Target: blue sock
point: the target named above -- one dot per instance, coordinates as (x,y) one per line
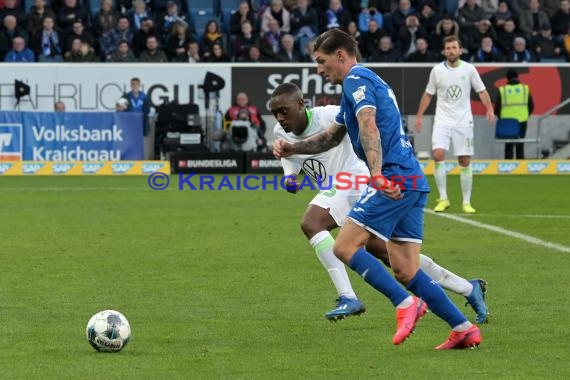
(374,273)
(438,302)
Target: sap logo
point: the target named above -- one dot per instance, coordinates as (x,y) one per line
(563,167)
(91,168)
(507,167)
(5,140)
(479,167)
(449,166)
(152,167)
(61,168)
(121,168)
(536,167)
(4,168)
(31,168)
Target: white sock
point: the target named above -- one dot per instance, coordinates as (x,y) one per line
(441,179)
(463,326)
(466,178)
(445,278)
(406,303)
(323,243)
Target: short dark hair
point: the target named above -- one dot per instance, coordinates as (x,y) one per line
(334,39)
(289,89)
(452,38)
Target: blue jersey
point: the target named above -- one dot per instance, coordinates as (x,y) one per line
(363,88)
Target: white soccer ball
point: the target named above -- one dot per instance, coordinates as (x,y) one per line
(108,331)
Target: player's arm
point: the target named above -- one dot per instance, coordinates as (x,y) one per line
(371,143)
(424,104)
(318,143)
(486,100)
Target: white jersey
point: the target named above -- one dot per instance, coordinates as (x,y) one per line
(453,88)
(323,165)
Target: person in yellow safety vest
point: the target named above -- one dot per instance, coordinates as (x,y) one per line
(514,101)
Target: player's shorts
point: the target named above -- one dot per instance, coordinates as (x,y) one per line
(460,137)
(387,219)
(338,202)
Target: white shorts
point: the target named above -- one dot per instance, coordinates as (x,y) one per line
(460,137)
(339,202)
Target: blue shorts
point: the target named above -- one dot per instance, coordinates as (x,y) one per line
(388,219)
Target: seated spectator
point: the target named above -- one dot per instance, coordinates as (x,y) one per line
(46,44)
(304,20)
(506,37)
(124,30)
(19,52)
(352,29)
(502,14)
(12,8)
(212,35)
(243,14)
(59,106)
(242,42)
(138,14)
(72,10)
(217,54)
(371,12)
(242,102)
(105,19)
(153,53)
(277,12)
(178,40)
(141,36)
(546,46)
(446,27)
(191,55)
(484,29)
(80,52)
(531,19)
(400,14)
(469,16)
(335,16)
(254,55)
(309,53)
(170,18)
(78,31)
(288,54)
(487,52)
(108,43)
(270,43)
(566,44)
(429,18)
(560,20)
(385,52)
(123,54)
(34,17)
(8,33)
(409,33)
(370,40)
(520,53)
(422,53)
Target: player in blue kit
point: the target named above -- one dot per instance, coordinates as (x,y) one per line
(392,206)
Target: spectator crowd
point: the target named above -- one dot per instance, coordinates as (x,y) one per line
(280,30)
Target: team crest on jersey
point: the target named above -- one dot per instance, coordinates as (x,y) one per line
(454,92)
(315,169)
(359,95)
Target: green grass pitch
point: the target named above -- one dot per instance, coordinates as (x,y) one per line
(222,284)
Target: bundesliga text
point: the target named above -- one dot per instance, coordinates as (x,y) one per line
(340,181)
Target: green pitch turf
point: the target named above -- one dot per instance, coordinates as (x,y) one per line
(222,284)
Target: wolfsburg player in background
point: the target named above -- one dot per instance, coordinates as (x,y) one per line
(329,208)
(452,81)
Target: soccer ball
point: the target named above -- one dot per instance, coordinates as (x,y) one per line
(108,331)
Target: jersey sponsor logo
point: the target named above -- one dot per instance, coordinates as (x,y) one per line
(454,92)
(359,94)
(536,167)
(315,169)
(353,77)
(507,167)
(563,167)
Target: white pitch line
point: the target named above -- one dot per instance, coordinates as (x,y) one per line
(530,216)
(500,230)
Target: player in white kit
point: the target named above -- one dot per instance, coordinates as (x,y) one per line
(329,208)
(452,80)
